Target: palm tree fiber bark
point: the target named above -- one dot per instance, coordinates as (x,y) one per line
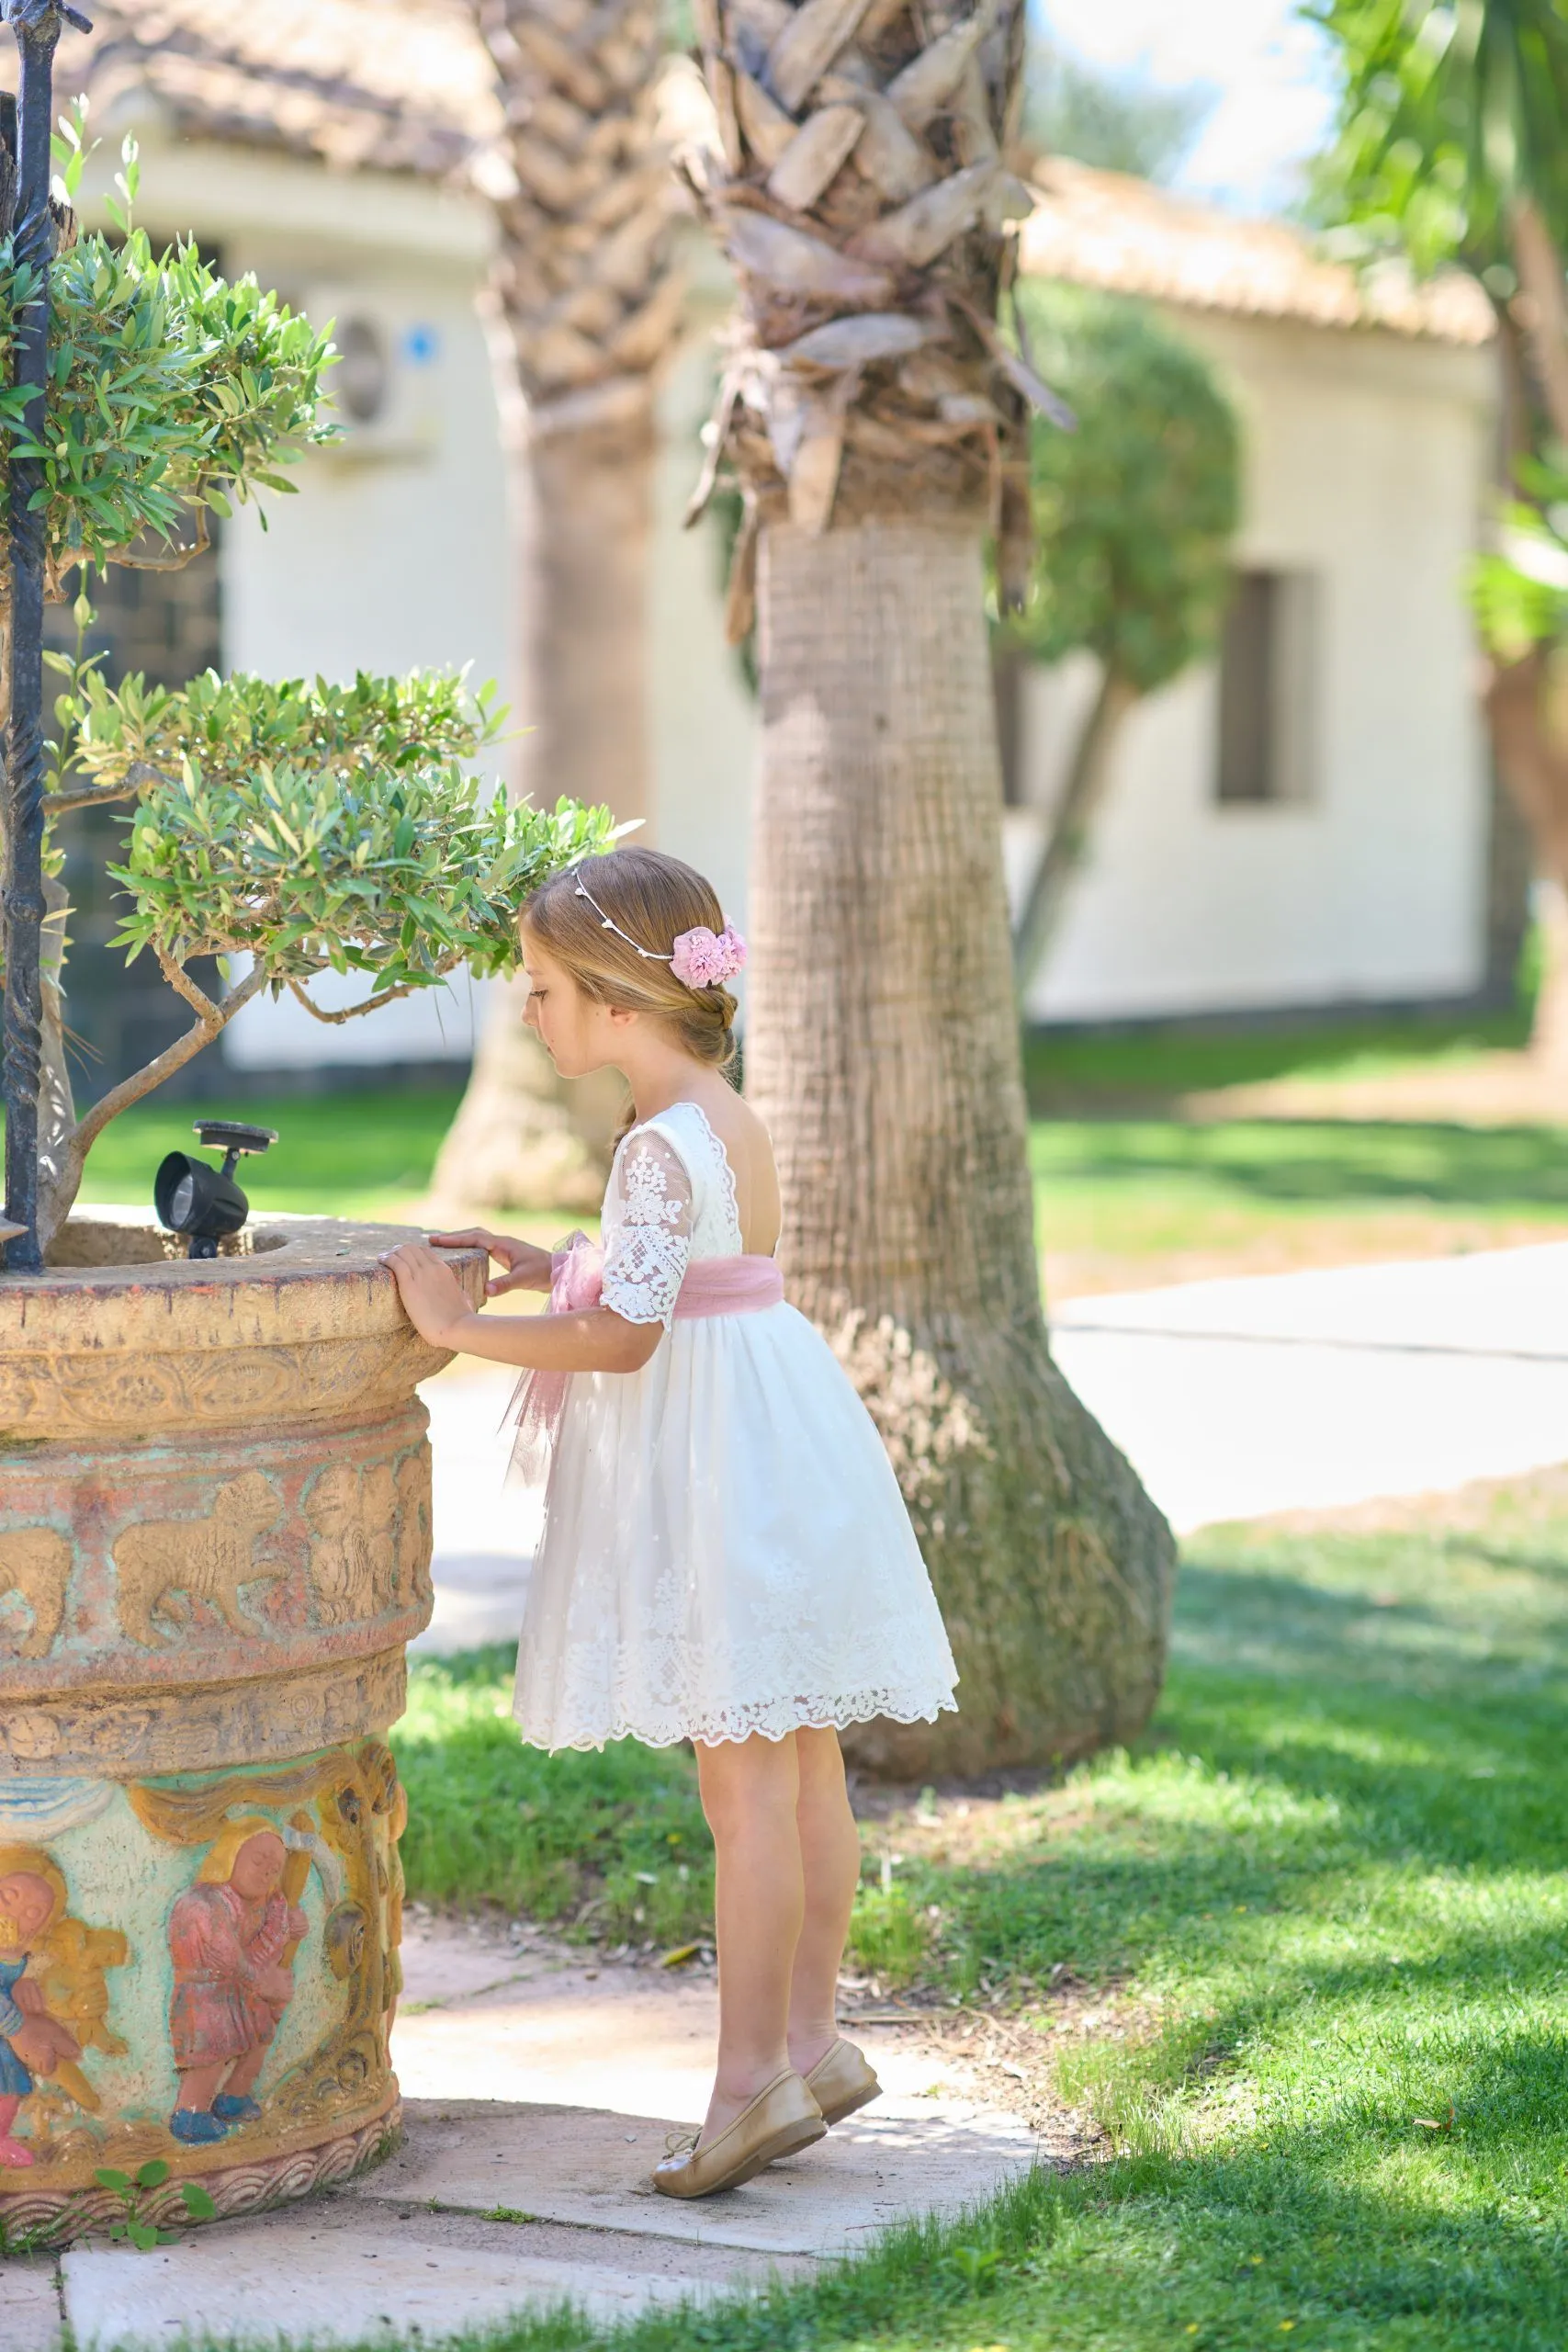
(524,1138)
(881,1047)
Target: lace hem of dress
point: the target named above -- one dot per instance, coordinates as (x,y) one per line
(774,1718)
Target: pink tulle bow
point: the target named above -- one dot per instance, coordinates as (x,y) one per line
(705,960)
(538,1401)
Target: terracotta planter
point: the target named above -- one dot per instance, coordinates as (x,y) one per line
(214,1548)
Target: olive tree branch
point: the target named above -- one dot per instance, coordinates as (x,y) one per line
(298,989)
(212,1019)
(171,558)
(138,777)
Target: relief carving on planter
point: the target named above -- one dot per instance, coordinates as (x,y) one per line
(234,1386)
(53,1995)
(35,1568)
(370,1537)
(196,1724)
(414,1526)
(197,1559)
(239,2006)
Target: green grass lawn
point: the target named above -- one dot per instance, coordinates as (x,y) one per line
(360,1155)
(1061,1068)
(1130,1201)
(1319,1917)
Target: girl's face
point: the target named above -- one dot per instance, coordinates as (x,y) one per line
(578,1034)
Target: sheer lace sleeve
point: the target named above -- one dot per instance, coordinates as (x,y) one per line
(647,1230)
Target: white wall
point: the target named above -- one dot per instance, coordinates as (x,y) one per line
(404,560)
(1366,462)
(703,719)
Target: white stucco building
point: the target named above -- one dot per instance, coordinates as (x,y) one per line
(1336,851)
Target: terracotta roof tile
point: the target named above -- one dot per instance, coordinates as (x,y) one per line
(406,85)
(1102,229)
(402,84)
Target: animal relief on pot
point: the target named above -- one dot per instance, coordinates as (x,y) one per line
(35,1569)
(164,1565)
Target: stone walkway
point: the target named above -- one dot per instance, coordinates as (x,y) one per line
(497,2205)
(1304,1392)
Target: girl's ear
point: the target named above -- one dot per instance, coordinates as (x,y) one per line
(622,1015)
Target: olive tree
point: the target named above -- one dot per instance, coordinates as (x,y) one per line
(310,827)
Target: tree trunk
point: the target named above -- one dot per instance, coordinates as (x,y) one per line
(523,1137)
(583,307)
(881,1048)
(1530,747)
(1540,269)
(1072,822)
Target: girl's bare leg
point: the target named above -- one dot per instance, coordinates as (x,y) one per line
(751,1790)
(829,1848)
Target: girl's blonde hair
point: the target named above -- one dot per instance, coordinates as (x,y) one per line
(653,898)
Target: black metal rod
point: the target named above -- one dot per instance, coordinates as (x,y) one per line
(36,24)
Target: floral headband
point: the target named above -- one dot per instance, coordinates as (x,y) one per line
(701,958)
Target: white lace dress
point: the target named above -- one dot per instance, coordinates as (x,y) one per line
(725,1550)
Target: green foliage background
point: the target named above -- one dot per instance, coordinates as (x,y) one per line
(1135,512)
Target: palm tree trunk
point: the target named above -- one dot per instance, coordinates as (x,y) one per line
(583,306)
(521,1136)
(883,1050)
(1540,269)
(1532,759)
(1072,824)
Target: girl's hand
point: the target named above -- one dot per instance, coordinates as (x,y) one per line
(431,1296)
(527,1267)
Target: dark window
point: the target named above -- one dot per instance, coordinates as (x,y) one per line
(1009,667)
(1266,690)
(168,625)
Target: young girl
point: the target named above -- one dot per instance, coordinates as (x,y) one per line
(725,1555)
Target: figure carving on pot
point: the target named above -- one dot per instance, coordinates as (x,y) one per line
(343,1551)
(230,1937)
(32,2042)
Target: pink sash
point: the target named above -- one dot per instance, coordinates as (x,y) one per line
(740,1286)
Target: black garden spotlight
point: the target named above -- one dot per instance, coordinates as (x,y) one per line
(193,1197)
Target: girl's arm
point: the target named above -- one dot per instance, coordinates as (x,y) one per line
(596,1341)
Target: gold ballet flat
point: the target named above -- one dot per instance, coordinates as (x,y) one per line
(841,2082)
(779,2120)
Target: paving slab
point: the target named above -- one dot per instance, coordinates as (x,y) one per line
(496,2207)
(591,2166)
(485,2018)
(1286,1391)
(30,2305)
(320,2276)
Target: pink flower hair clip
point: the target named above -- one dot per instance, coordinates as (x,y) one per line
(702,958)
(706,959)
